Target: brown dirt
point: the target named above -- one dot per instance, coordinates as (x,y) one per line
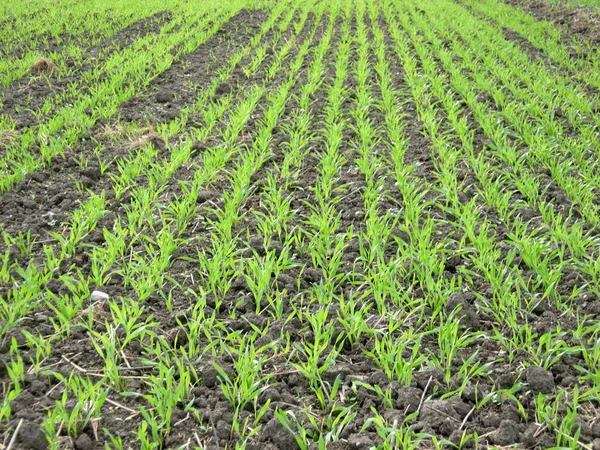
(581,22)
(24,97)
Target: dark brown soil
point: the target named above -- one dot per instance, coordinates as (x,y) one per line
(175,88)
(43,201)
(23,98)
(44,42)
(581,22)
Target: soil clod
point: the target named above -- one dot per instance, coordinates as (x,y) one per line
(31,436)
(506,434)
(540,380)
(164,96)
(84,442)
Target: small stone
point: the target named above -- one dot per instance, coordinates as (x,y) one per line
(461,408)
(45,402)
(378,378)
(505,380)
(584,429)
(84,442)
(54,394)
(239,284)
(180,317)
(22,402)
(134,385)
(447,426)
(98,296)
(579,25)
(28,378)
(427,377)
(177,338)
(456,437)
(222,89)
(97,236)
(275,246)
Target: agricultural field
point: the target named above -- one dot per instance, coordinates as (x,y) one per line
(576,3)
(580,17)
(260,225)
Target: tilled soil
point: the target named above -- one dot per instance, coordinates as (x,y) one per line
(23,98)
(42,204)
(578,22)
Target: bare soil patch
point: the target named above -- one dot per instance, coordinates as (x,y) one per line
(580,22)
